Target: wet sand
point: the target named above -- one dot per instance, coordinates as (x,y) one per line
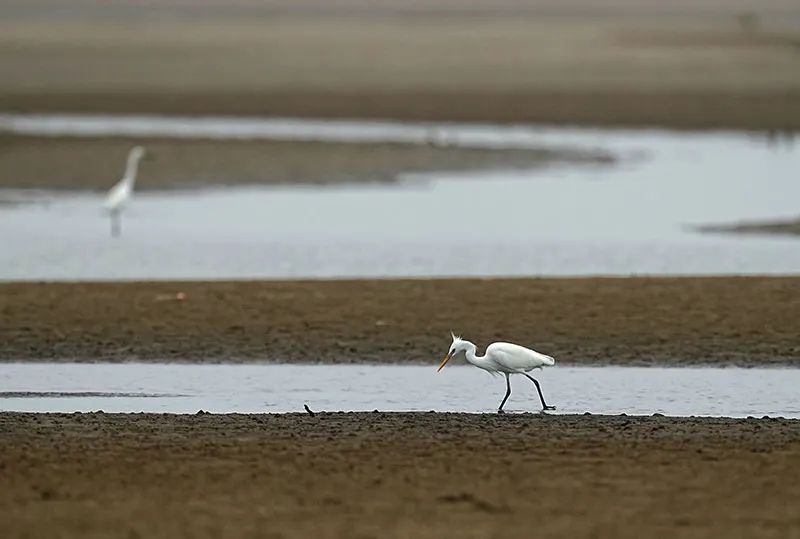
(589,321)
(708,64)
(773,111)
(396,475)
(95,163)
(790,227)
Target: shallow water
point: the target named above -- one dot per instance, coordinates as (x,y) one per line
(633,218)
(231,128)
(175,388)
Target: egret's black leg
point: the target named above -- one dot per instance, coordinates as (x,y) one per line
(508,392)
(116,224)
(541,397)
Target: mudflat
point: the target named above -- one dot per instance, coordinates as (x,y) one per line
(396,475)
(788,227)
(588,321)
(72,163)
(704,64)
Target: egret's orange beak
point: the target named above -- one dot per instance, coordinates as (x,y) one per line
(444,361)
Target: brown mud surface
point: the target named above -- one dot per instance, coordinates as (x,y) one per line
(703,64)
(769,110)
(677,321)
(789,227)
(396,475)
(96,163)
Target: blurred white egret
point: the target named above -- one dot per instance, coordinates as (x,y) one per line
(437,138)
(119,195)
(505,358)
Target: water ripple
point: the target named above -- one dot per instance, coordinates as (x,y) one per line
(82,394)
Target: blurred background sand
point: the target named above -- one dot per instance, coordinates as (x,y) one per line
(705,63)
(694,65)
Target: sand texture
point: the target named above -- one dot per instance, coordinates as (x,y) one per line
(676,321)
(704,64)
(397,475)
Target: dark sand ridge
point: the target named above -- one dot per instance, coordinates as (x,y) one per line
(770,111)
(703,64)
(396,475)
(790,227)
(675,321)
(96,163)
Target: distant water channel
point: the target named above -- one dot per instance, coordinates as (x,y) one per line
(632,218)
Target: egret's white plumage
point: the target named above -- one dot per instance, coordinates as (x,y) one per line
(119,195)
(502,358)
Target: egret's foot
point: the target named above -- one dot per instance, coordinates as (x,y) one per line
(549,408)
(500,411)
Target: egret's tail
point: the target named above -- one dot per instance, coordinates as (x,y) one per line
(548,360)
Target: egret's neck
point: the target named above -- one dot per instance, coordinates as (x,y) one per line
(132,168)
(473,357)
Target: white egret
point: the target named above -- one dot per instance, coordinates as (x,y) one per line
(119,195)
(437,138)
(504,358)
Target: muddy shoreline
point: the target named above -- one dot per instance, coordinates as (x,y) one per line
(709,110)
(395,475)
(94,163)
(747,321)
(789,227)
(707,65)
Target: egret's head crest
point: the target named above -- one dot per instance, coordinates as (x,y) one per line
(456,338)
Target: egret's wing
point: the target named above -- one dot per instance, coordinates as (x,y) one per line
(117,196)
(507,358)
(516,358)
